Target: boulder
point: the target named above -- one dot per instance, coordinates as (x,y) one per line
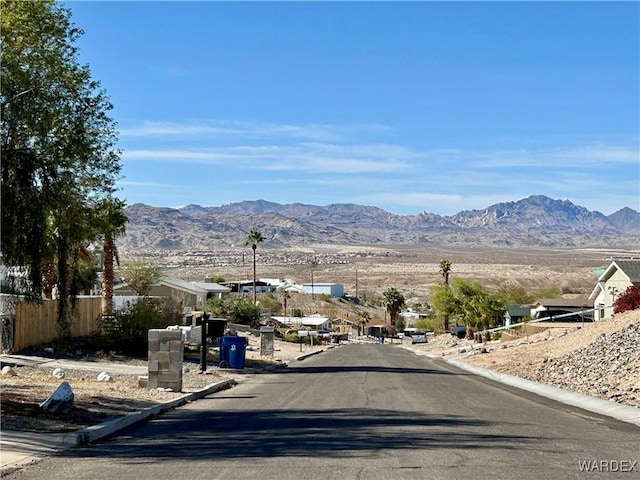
(8,371)
(60,401)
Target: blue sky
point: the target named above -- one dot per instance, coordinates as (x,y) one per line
(407,106)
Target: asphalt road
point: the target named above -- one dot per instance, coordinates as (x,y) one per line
(361,412)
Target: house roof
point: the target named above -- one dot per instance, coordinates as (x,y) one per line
(517,310)
(193,287)
(300,321)
(562,302)
(629,267)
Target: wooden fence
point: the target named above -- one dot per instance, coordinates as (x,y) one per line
(35,324)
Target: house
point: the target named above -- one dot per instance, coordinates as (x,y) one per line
(617,277)
(302,323)
(411,316)
(246,286)
(331,289)
(192,295)
(516,313)
(554,307)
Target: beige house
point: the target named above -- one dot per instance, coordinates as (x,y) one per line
(192,295)
(619,275)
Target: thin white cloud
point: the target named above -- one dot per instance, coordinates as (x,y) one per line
(314,158)
(218,129)
(126,183)
(579,157)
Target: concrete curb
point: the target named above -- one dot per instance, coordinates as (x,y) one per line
(306,355)
(624,413)
(97,432)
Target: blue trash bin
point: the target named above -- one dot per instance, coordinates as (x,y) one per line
(232,351)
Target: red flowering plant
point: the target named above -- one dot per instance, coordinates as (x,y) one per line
(629,300)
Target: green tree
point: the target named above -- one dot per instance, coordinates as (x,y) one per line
(57,145)
(111,220)
(444,303)
(547,292)
(393,301)
(513,292)
(469,302)
(140,276)
(254,238)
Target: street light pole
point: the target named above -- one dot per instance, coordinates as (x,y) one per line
(313,264)
(356,282)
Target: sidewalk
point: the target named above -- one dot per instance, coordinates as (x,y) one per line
(32,360)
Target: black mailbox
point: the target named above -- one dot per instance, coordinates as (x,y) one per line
(215,327)
(211,328)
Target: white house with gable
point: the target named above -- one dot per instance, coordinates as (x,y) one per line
(619,275)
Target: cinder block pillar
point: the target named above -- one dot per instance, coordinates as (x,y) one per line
(166,354)
(267,335)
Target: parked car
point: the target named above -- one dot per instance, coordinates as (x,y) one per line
(459,331)
(418,337)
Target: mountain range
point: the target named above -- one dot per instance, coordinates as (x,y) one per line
(533,221)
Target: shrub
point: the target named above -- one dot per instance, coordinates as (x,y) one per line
(268,302)
(291,337)
(629,300)
(235,310)
(129,327)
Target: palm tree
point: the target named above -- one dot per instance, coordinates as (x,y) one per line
(254,238)
(393,301)
(285,297)
(445,269)
(111,221)
(363,318)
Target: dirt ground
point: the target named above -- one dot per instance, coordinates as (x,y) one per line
(96,402)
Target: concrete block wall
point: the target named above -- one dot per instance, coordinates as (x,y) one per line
(166,354)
